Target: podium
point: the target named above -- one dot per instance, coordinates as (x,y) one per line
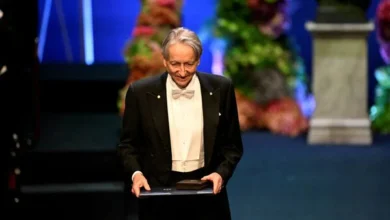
(340,84)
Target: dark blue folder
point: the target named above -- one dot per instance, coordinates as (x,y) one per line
(174,192)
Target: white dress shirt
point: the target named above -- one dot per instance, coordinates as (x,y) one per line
(185,117)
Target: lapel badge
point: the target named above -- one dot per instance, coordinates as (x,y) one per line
(219,113)
(158,96)
(211,93)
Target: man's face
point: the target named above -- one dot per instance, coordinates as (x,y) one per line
(181,64)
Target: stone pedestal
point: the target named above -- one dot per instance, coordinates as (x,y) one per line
(340,84)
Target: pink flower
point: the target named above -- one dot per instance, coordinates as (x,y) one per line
(253,3)
(284,117)
(143,31)
(167,3)
(383,18)
(385,52)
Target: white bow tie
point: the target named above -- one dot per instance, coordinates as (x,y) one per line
(176,93)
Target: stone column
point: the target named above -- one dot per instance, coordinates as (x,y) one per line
(340,74)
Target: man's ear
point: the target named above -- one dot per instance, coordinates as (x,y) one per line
(165,63)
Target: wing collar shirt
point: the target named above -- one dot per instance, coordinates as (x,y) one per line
(185,115)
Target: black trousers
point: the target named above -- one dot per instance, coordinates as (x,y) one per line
(199,207)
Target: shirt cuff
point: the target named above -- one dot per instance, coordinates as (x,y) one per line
(132,177)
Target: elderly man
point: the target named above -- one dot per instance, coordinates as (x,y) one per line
(181,124)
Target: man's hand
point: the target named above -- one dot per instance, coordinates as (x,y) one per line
(138,182)
(217,181)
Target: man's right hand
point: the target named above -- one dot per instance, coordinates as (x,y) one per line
(139,181)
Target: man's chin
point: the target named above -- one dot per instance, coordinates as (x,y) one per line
(182,84)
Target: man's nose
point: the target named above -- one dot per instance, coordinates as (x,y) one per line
(182,71)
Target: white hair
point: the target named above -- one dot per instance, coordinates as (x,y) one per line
(185,36)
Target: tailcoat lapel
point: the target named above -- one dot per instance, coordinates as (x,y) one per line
(210,103)
(157,100)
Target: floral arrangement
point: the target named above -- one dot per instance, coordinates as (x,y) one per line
(143,52)
(380,111)
(264,65)
(383,31)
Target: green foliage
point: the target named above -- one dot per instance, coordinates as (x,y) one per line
(381,123)
(139,48)
(249,50)
(380,111)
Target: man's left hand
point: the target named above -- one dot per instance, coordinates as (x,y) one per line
(217,181)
